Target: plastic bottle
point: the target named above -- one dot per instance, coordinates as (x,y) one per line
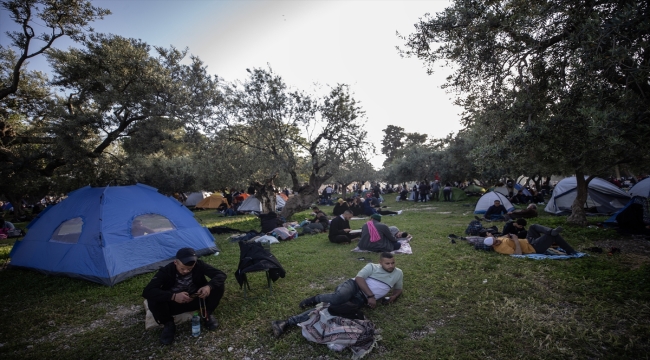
(196,325)
(336,347)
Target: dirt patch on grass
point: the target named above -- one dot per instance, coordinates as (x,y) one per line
(428,329)
(634,253)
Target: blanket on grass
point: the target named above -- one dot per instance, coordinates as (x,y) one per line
(322,328)
(405,248)
(552,254)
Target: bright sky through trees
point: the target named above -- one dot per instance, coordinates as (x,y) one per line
(306,42)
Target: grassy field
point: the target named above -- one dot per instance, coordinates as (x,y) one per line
(458,302)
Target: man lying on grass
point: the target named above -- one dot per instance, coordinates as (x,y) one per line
(179,287)
(538,240)
(373,282)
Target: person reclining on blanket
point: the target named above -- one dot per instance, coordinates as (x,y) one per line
(373,282)
(539,239)
(527,213)
(368,209)
(496,211)
(377,237)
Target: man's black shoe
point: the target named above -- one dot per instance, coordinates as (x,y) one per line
(167,335)
(279,326)
(211,323)
(307,303)
(477,218)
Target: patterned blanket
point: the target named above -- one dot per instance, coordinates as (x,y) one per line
(404,249)
(322,328)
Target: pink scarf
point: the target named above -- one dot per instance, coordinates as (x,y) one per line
(374,234)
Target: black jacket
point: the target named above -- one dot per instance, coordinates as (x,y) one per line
(159,288)
(336,227)
(339,208)
(253,257)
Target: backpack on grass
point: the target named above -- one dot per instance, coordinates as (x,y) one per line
(474,228)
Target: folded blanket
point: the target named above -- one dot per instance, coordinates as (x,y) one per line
(323,328)
(550,256)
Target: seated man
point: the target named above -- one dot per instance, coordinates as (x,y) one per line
(527,213)
(320,218)
(496,211)
(377,237)
(179,287)
(540,238)
(516,227)
(340,229)
(373,282)
(6,224)
(355,206)
(403,195)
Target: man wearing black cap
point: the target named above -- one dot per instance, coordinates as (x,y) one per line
(179,287)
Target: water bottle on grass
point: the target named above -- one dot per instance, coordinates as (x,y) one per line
(196,325)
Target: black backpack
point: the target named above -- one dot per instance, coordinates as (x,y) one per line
(474,228)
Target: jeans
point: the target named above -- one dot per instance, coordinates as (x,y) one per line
(346,291)
(447,194)
(541,239)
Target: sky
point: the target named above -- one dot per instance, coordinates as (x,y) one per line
(307,42)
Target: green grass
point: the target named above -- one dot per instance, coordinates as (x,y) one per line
(594,307)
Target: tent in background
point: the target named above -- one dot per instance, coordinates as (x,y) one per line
(194,198)
(602,195)
(523,190)
(251,204)
(212,202)
(456,194)
(474,189)
(279,201)
(107,235)
(487,200)
(642,188)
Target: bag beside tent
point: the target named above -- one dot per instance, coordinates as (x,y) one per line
(487,200)
(107,235)
(601,194)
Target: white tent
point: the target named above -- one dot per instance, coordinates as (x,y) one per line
(502,190)
(602,194)
(487,200)
(195,197)
(642,188)
(279,202)
(250,204)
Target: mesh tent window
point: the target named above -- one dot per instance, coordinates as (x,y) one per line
(149,224)
(68,232)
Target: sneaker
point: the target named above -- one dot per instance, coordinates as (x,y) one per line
(399,212)
(211,323)
(307,303)
(167,335)
(556,231)
(278,326)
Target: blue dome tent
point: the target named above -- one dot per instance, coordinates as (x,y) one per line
(107,235)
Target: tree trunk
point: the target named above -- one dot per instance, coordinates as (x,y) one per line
(578,215)
(265,193)
(304,197)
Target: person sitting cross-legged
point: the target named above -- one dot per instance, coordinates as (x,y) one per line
(373,282)
(340,229)
(496,211)
(377,237)
(539,239)
(179,287)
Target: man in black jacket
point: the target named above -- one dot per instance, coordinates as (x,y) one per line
(340,229)
(179,287)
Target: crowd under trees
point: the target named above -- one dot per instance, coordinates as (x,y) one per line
(552,87)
